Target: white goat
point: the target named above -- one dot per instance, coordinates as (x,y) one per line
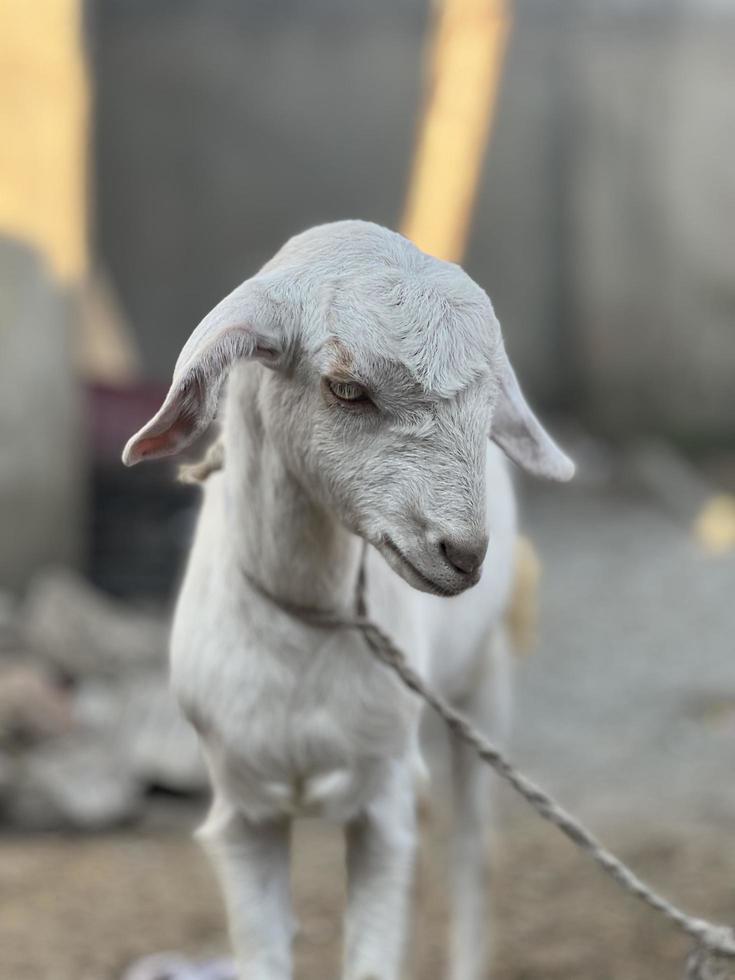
(381,374)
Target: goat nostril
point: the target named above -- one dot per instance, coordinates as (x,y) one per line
(465,556)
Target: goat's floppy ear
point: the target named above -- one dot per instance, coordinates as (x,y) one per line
(241,326)
(520,434)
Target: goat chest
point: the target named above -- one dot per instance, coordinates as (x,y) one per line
(293,721)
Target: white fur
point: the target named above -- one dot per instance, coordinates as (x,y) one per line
(298,720)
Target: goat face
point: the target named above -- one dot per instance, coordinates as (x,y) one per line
(389,373)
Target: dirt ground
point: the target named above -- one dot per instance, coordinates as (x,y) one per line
(626,712)
(81,909)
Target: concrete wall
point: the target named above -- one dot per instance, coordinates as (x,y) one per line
(222,129)
(650,234)
(601,230)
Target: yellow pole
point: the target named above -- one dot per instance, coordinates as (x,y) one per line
(44,169)
(44,108)
(465,65)
(466,55)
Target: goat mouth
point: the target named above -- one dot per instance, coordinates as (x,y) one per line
(430,584)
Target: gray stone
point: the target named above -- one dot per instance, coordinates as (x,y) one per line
(161,745)
(142,716)
(97,704)
(32,707)
(82,632)
(75,782)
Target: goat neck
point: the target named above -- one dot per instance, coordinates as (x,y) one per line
(279,536)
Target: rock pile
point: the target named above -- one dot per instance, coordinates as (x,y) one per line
(88,727)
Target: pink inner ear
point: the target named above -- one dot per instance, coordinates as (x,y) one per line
(165,444)
(191,401)
(170,431)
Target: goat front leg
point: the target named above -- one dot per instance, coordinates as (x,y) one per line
(488,706)
(381,845)
(252,863)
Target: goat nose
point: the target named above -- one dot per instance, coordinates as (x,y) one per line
(465,555)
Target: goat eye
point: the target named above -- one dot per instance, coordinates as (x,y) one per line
(347,391)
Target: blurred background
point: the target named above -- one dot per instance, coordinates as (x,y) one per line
(577,157)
